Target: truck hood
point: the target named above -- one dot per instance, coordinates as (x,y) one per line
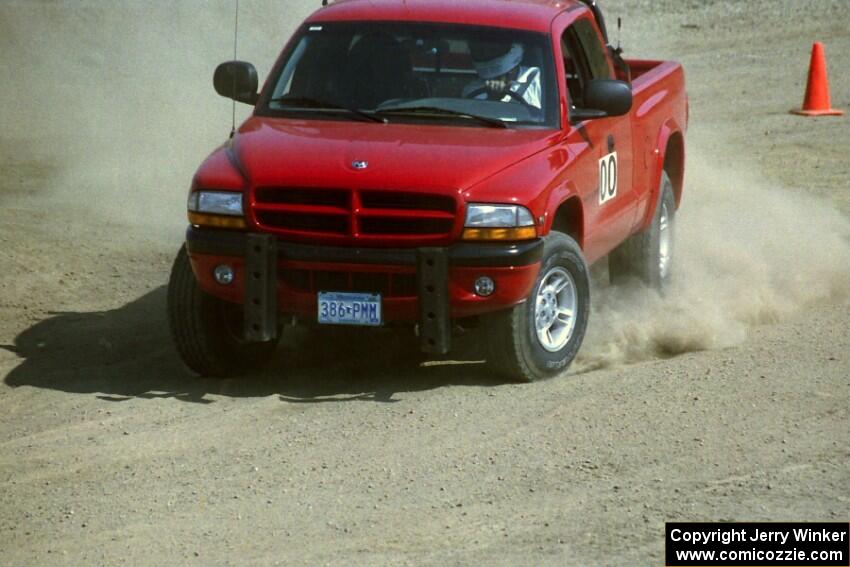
(322,153)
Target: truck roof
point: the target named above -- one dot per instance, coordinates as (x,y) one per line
(534,15)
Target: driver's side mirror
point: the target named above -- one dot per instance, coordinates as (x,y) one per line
(237,80)
(603,98)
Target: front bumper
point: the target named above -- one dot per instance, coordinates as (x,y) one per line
(429,285)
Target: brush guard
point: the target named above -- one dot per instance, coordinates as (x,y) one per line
(260,287)
(432,274)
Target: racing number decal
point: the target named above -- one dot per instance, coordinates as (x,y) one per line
(608,177)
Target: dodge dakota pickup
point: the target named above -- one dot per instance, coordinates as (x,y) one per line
(432,165)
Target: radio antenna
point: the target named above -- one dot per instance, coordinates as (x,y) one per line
(619,31)
(235,39)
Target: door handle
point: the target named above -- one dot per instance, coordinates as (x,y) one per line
(610,143)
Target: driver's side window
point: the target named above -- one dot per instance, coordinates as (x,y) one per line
(575,80)
(583,60)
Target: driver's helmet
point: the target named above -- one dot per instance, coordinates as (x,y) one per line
(494,59)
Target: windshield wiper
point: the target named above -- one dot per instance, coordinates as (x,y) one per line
(317,104)
(491,122)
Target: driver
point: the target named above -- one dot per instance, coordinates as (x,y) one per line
(500,75)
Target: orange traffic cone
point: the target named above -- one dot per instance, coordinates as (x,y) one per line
(817,91)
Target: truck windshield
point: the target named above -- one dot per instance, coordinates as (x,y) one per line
(416,72)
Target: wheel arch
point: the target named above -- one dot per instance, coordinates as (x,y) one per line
(669,157)
(568,218)
(674,163)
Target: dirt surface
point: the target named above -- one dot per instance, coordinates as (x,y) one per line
(727,400)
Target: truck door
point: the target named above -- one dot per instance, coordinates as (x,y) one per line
(610,199)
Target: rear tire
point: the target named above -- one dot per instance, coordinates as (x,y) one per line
(539,338)
(648,255)
(206,329)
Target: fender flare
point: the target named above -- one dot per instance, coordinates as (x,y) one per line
(557,197)
(659,153)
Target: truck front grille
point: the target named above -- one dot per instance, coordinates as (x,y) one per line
(355,215)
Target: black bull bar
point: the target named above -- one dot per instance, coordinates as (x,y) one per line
(262,251)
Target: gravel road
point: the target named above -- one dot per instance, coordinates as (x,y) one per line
(727,400)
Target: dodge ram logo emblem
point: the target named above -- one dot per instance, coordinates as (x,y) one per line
(359,164)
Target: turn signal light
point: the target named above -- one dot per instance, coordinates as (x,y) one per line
(517,233)
(216,221)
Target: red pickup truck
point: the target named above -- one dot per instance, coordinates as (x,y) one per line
(432,164)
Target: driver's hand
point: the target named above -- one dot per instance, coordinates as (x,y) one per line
(496,86)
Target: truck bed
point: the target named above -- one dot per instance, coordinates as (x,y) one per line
(658,107)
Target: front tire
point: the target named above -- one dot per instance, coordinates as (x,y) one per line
(207,330)
(539,338)
(648,255)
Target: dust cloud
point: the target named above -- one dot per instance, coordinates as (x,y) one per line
(747,253)
(109,106)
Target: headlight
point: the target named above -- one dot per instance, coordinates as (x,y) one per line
(216,202)
(498,222)
(221,209)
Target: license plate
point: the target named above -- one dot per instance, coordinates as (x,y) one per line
(336,308)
